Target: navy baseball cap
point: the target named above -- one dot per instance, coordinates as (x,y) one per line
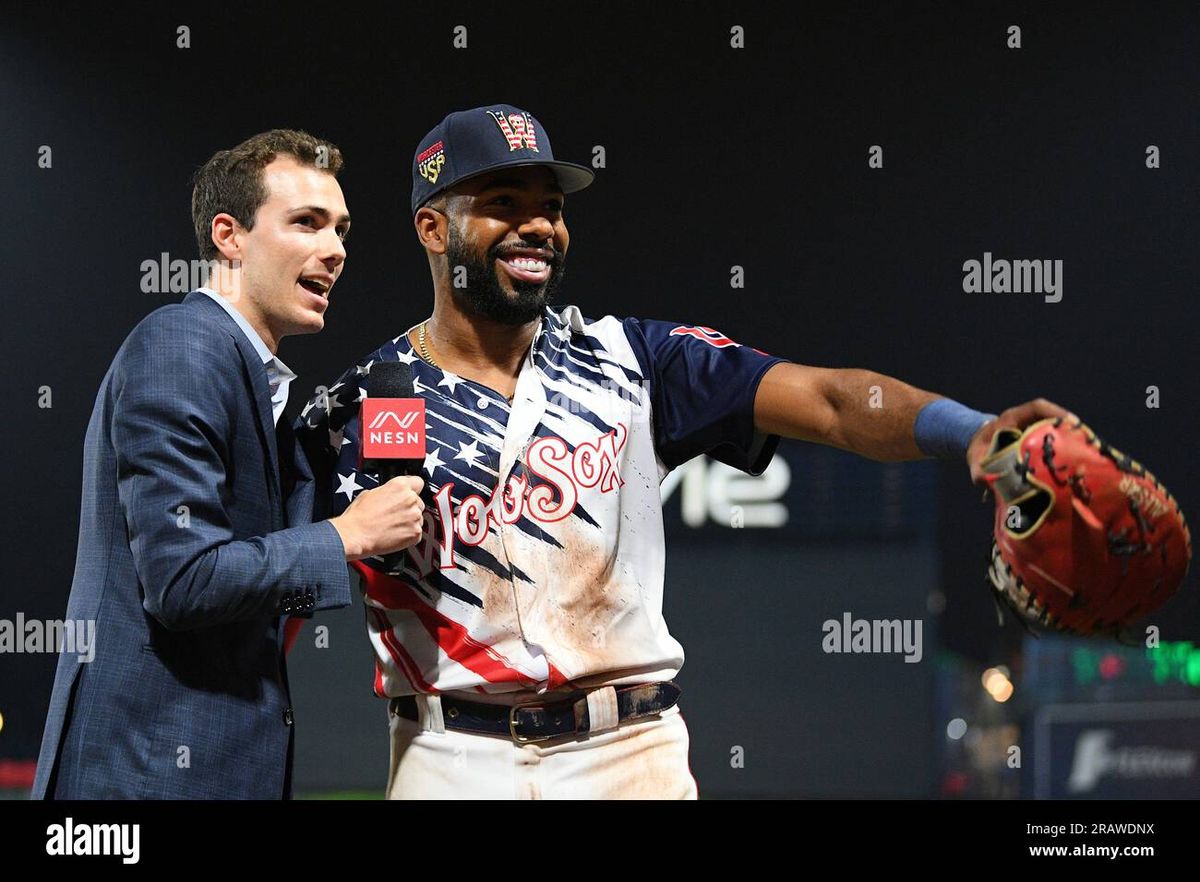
(470,142)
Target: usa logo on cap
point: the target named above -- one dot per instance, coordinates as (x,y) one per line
(430,162)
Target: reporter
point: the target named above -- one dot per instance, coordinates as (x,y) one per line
(196,537)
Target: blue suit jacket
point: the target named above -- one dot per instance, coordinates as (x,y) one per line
(193,547)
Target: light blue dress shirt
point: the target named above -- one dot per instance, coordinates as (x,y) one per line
(279,375)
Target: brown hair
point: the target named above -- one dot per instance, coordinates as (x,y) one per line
(231,181)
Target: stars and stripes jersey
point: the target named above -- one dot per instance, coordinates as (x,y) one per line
(542,561)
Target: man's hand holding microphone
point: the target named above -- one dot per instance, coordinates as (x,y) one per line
(389,517)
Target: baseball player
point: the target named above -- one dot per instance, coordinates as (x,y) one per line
(520,642)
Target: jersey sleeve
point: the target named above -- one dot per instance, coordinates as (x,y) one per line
(702,388)
(328,433)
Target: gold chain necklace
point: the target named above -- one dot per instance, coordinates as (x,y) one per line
(429,358)
(421,343)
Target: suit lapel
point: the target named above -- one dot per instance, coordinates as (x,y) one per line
(256,372)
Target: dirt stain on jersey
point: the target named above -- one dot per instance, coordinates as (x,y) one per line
(582,601)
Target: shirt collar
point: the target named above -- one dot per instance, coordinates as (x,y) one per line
(270,360)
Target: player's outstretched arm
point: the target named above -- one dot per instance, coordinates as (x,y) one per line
(875,416)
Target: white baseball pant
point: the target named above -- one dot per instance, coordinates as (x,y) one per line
(646,759)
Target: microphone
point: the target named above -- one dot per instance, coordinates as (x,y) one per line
(392,422)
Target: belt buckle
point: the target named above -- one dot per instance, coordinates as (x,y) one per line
(512,725)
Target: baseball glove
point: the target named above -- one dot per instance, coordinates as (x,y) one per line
(1086,540)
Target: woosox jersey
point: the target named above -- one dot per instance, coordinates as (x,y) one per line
(542,558)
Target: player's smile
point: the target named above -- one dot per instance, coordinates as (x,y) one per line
(528,264)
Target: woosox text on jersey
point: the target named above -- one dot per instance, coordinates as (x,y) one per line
(566,473)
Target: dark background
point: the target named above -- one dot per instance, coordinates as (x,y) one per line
(715,157)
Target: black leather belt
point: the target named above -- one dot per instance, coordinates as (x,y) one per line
(525,723)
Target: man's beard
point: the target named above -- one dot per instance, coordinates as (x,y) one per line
(484,296)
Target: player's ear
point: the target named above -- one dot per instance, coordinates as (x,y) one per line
(433,228)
